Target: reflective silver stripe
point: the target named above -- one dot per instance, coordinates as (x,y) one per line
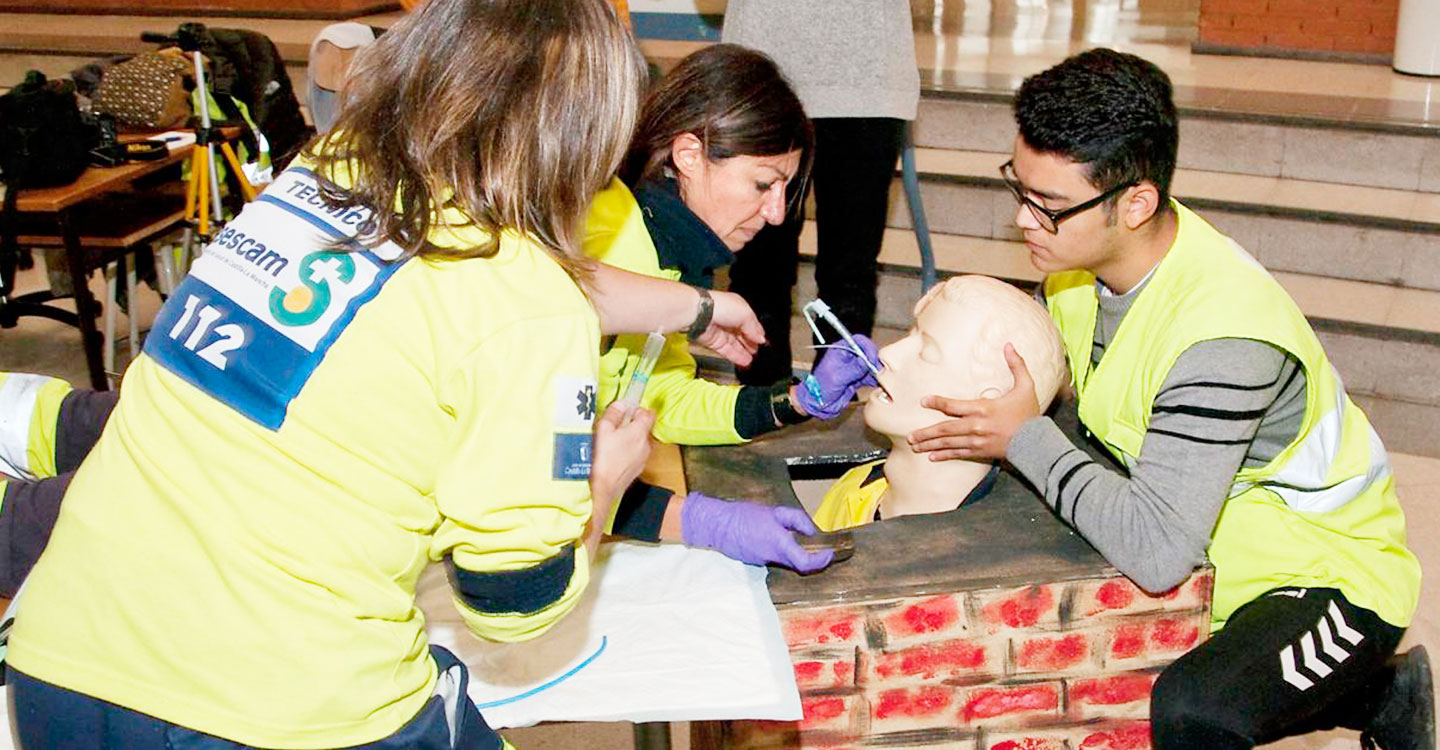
(18,394)
(1301,481)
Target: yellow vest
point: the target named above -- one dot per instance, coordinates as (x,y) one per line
(1324,512)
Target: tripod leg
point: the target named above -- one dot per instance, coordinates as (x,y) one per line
(190,186)
(246,189)
(214,175)
(202,198)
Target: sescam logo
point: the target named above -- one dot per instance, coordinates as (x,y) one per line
(306,303)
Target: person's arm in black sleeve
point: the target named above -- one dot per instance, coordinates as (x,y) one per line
(83,415)
(28,512)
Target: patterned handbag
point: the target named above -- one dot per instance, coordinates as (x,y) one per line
(150,91)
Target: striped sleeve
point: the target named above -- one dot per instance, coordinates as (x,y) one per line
(1154,524)
(29,414)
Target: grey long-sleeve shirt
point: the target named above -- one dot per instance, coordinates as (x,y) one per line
(1226,404)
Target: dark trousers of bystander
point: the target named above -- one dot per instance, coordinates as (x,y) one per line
(1290,662)
(853,170)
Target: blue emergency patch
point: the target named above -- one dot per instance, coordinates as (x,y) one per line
(572,456)
(263,304)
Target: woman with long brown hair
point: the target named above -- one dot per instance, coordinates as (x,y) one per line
(720,139)
(384,360)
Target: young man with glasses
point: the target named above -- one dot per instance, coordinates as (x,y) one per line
(1234,436)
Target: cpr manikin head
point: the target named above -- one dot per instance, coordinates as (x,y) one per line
(956,349)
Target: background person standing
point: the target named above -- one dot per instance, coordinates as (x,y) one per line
(852,62)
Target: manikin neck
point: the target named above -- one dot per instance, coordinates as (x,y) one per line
(919,485)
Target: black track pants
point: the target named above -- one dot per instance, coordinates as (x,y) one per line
(1290,662)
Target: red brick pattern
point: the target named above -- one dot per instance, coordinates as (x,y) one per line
(1364,26)
(1067,665)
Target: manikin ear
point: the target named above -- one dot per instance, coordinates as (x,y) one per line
(688,155)
(1139,204)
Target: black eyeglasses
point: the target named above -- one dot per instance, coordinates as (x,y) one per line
(1050,220)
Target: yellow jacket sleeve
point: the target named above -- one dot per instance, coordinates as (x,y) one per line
(514,498)
(688,410)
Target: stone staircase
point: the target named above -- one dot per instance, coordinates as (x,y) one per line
(1343,207)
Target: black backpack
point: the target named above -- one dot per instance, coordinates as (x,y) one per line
(44,142)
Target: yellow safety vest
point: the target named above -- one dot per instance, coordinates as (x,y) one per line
(1324,512)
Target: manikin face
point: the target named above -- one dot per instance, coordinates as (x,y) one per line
(738,196)
(956,349)
(1088,240)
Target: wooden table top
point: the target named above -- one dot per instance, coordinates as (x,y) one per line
(96,181)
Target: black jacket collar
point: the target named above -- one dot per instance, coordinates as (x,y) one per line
(682,241)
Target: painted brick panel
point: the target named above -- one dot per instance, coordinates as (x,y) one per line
(817,670)
(905,709)
(1010,705)
(962,660)
(1127,736)
(1012,609)
(837,626)
(830,713)
(1054,654)
(1030,740)
(1138,642)
(920,620)
(1122,696)
(1118,596)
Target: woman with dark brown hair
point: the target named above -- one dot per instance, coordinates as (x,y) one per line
(384,360)
(720,139)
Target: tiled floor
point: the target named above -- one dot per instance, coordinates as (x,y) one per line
(981,44)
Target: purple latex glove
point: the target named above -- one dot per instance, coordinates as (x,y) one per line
(836,377)
(750,532)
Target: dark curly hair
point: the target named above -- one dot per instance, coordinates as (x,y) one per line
(1110,111)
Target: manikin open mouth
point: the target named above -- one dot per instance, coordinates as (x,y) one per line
(879,394)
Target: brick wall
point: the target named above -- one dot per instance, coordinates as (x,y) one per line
(1052,666)
(1365,27)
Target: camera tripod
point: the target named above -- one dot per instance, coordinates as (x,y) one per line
(202,189)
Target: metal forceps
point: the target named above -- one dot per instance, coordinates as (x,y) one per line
(817,308)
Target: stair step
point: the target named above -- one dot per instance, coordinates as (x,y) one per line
(1369,234)
(1374,206)
(1403,155)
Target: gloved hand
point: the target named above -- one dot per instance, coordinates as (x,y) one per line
(836,377)
(750,532)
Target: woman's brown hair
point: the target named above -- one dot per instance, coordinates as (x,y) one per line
(733,99)
(516,112)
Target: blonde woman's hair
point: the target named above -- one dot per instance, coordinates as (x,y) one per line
(515,112)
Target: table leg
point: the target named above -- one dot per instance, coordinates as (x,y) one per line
(85,305)
(653,735)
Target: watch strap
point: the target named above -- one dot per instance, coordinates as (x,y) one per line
(703,314)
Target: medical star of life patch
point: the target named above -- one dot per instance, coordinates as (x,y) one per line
(573,410)
(574,403)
